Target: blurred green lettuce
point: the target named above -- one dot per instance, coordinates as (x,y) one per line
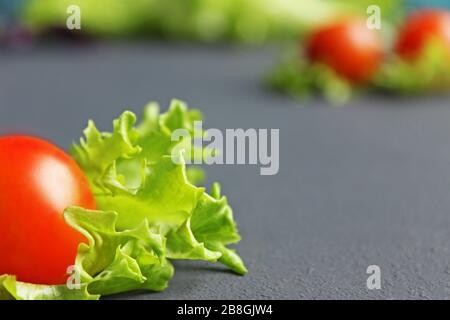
(248,21)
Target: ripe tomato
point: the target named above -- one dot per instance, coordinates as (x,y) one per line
(347,46)
(37,182)
(421,27)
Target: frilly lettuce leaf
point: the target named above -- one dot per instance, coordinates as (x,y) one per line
(212,223)
(11,289)
(140,181)
(116,261)
(100,149)
(149,140)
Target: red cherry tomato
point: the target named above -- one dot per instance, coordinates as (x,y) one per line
(348,47)
(37,182)
(421,27)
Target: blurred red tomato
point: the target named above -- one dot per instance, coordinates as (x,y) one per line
(349,47)
(421,27)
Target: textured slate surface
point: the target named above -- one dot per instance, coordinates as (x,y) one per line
(360,185)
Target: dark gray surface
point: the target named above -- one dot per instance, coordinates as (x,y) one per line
(360,185)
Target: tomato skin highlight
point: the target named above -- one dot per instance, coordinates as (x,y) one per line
(37,182)
(421,27)
(348,47)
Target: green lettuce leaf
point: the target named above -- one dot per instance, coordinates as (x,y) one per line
(212,223)
(11,289)
(100,149)
(117,261)
(144,183)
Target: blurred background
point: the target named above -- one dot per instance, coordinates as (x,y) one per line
(245,21)
(365,184)
(248,21)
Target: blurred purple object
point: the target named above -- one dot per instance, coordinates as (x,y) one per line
(16,36)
